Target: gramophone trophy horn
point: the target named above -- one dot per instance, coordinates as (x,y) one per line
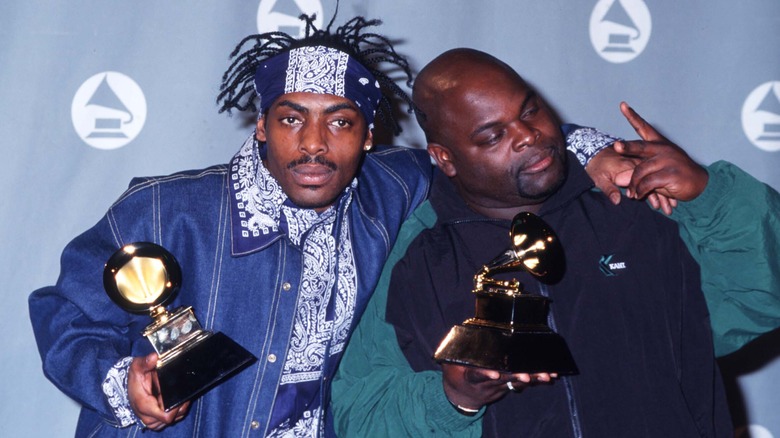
(140,278)
(509,331)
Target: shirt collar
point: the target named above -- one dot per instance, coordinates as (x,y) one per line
(260,211)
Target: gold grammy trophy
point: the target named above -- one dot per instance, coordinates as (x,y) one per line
(143,276)
(509,331)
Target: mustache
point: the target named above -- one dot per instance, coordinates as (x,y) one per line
(546,151)
(308,159)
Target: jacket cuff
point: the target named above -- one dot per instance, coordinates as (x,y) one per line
(719,185)
(115,390)
(444,415)
(587,142)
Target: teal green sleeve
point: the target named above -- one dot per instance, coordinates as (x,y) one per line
(376,393)
(733,231)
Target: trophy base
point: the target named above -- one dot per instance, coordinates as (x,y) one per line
(200,368)
(518,351)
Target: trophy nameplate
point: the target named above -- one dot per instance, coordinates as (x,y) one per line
(509,330)
(143,276)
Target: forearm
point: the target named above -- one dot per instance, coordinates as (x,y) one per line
(76,355)
(733,231)
(376,393)
(398,404)
(80,333)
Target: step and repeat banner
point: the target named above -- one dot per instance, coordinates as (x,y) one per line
(95,92)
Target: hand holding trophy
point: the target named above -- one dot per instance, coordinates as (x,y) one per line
(143,276)
(509,331)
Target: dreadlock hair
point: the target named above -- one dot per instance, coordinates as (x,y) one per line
(370,49)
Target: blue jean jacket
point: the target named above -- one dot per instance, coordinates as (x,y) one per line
(81,333)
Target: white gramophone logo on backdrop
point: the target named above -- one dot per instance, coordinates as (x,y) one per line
(620,29)
(761,116)
(753,431)
(108,110)
(282,15)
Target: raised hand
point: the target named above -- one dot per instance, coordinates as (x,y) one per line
(610,171)
(662,168)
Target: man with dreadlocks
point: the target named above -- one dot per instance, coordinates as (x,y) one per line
(279,249)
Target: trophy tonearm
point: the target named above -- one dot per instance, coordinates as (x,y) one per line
(509,330)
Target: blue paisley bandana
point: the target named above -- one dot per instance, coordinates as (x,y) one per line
(321,70)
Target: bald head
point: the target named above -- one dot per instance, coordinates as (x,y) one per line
(489,132)
(454,73)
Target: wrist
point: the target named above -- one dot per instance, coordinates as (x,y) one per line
(115,389)
(469,412)
(586,143)
(459,403)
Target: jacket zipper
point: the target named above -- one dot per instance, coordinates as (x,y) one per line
(567,384)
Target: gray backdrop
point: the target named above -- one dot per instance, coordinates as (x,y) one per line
(96,91)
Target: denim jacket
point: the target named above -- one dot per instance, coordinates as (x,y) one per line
(250,297)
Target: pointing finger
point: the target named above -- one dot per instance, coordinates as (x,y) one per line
(644,129)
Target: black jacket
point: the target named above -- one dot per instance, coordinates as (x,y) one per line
(629,306)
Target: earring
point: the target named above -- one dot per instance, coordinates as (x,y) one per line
(367,147)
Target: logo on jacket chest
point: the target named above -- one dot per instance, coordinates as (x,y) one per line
(610,266)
